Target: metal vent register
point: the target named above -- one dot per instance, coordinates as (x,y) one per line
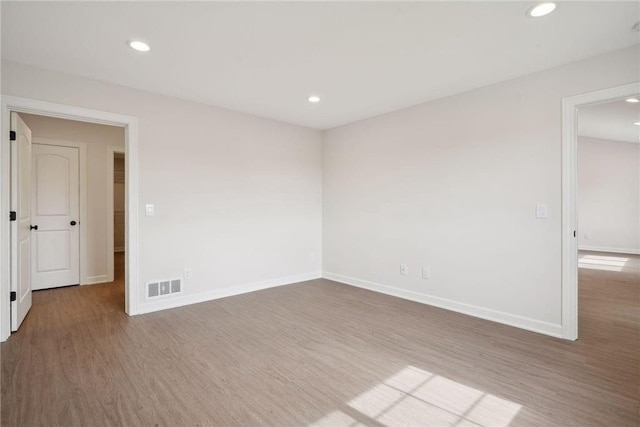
(164,287)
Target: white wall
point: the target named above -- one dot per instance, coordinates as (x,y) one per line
(450,184)
(453,185)
(237,198)
(97,137)
(608,195)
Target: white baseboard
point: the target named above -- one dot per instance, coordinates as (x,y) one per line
(118,249)
(183,300)
(554,330)
(608,249)
(93,280)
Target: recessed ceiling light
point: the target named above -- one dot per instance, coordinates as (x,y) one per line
(313,98)
(632,100)
(139,46)
(541,9)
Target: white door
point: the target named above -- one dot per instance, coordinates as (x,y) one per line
(55,209)
(20,228)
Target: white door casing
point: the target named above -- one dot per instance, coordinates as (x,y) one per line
(130,124)
(55,211)
(20,228)
(570,107)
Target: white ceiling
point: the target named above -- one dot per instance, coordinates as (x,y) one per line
(265,58)
(611,121)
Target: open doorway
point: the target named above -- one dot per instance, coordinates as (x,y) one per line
(62,169)
(601,196)
(608,171)
(116,212)
(609,216)
(118,202)
(16,275)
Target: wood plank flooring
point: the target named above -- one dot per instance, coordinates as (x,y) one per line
(320,353)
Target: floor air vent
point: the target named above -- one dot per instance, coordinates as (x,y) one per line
(164,287)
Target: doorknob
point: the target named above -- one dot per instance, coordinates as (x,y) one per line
(73,223)
(33,227)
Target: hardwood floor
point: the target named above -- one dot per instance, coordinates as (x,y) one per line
(321,353)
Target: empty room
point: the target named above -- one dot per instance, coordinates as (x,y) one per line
(320,213)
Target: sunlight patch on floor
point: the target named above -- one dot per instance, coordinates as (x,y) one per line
(416,397)
(601,262)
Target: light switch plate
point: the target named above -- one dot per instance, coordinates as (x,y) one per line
(149,210)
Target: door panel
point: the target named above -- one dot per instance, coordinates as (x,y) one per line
(51,176)
(24,287)
(56,245)
(53,248)
(20,229)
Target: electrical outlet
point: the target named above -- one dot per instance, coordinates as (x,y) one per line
(426,273)
(404,270)
(542,211)
(187,273)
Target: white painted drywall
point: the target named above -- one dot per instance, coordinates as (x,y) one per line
(453,185)
(237,198)
(450,184)
(97,137)
(608,195)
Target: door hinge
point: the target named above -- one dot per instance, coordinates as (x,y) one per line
(12,216)
(12,135)
(574,233)
(13,296)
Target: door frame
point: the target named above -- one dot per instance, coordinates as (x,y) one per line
(569,238)
(82,175)
(111,150)
(43,108)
